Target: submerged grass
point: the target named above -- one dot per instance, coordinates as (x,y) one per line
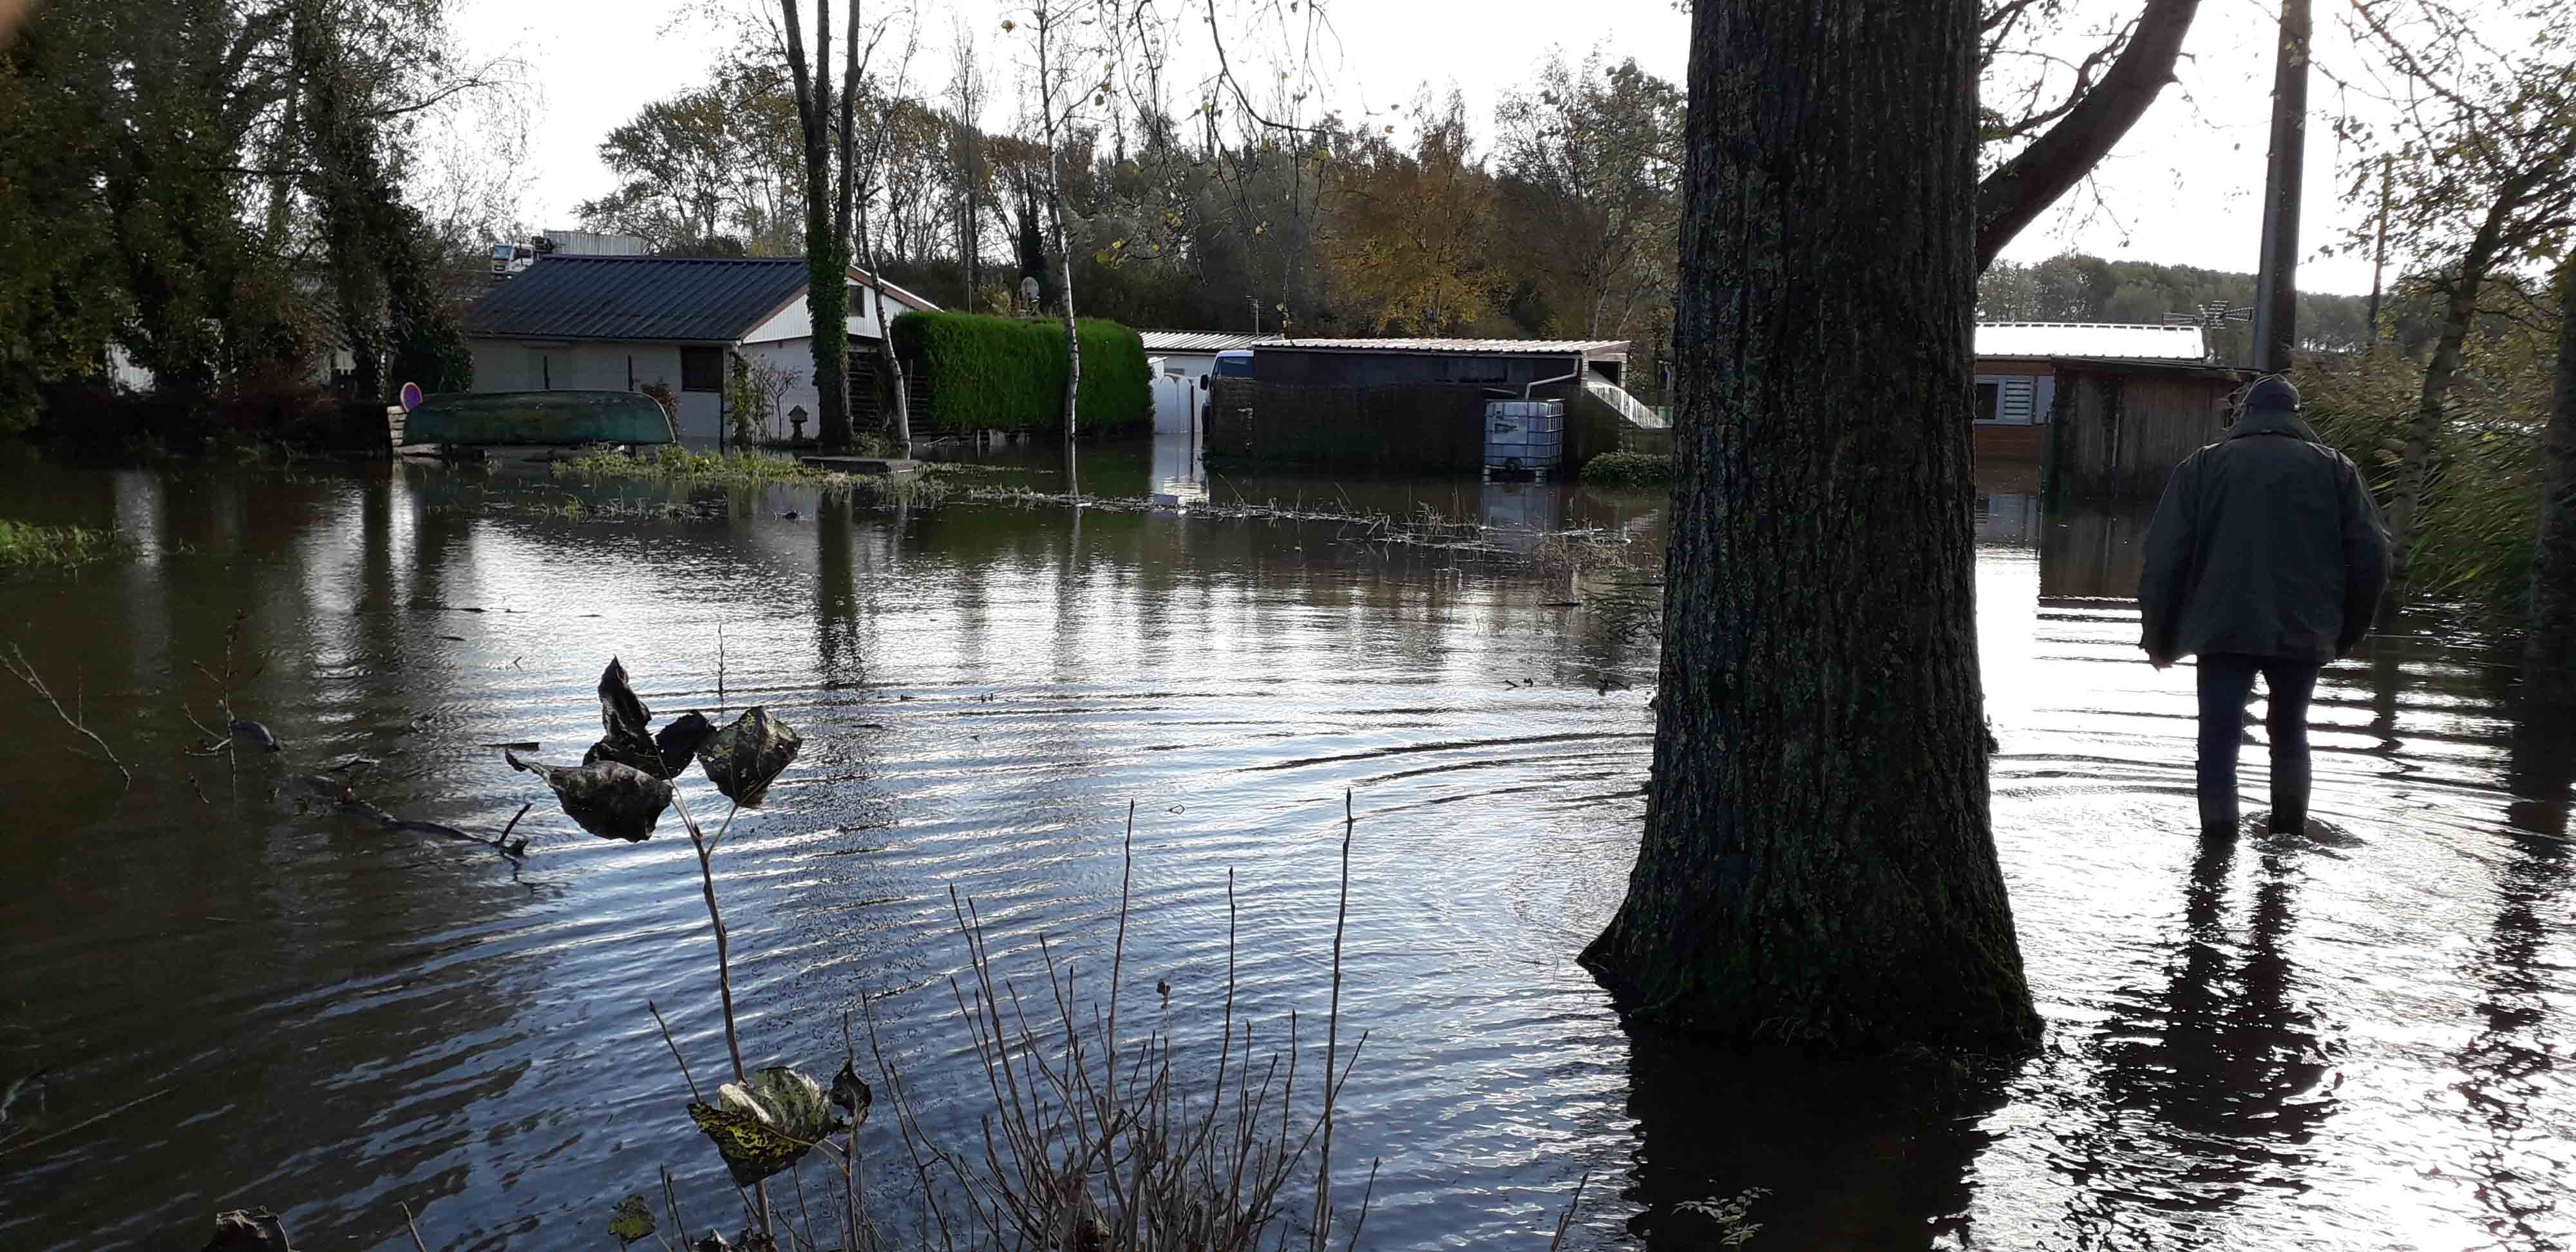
(676,464)
(680,466)
(27,546)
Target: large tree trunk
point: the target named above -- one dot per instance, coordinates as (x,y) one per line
(2550,669)
(827,299)
(1817,862)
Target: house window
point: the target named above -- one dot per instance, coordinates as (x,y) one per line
(1990,396)
(701,369)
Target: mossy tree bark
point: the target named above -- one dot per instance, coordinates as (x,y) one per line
(1817,863)
(827,297)
(2551,668)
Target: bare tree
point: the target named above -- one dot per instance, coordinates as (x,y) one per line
(2482,179)
(966,96)
(1065,86)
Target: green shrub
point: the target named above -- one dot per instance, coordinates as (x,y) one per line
(1627,469)
(2475,529)
(1000,373)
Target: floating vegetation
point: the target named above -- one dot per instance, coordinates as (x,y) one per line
(23,545)
(672,464)
(1580,547)
(677,464)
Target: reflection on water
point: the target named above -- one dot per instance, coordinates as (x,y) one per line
(2349,1039)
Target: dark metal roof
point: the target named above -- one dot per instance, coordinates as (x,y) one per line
(689,299)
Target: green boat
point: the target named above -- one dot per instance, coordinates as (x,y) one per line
(538,418)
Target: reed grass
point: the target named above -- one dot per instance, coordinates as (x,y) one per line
(2477,526)
(1088,1137)
(24,545)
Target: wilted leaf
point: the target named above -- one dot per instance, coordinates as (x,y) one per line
(851,1093)
(248,1230)
(609,800)
(632,1221)
(624,723)
(766,1125)
(680,739)
(745,757)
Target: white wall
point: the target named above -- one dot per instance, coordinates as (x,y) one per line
(1175,401)
(796,356)
(535,365)
(793,323)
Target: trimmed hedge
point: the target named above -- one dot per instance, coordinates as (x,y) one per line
(1627,469)
(1001,373)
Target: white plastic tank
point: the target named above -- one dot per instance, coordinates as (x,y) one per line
(1524,436)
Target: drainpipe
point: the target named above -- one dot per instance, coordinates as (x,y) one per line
(1561,378)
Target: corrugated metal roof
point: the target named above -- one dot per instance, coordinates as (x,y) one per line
(1476,347)
(1199,340)
(690,299)
(701,299)
(2134,341)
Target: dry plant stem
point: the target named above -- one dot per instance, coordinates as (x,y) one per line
(850,1155)
(706,849)
(85,1123)
(414,1228)
(20,669)
(1366,1194)
(1332,1041)
(1565,1221)
(724,956)
(667,1042)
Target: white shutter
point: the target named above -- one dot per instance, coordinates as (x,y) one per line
(2015,409)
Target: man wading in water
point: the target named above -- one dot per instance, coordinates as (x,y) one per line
(2266,557)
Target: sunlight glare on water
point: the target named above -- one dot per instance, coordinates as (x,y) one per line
(2347,1038)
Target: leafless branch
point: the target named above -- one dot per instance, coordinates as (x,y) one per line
(17,664)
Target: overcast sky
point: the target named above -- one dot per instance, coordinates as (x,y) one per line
(2184,188)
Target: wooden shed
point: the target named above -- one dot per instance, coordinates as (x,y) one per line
(2017,373)
(2121,426)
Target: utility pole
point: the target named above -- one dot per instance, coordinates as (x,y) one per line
(2276,290)
(2379,256)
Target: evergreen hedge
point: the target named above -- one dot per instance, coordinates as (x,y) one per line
(1002,373)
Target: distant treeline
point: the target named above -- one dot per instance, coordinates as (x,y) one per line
(2077,288)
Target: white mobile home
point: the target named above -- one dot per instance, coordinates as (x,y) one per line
(1187,355)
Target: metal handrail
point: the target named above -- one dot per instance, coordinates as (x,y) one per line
(1629,407)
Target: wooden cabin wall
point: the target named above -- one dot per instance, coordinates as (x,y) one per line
(1419,427)
(2120,435)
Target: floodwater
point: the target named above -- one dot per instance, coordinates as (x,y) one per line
(2347,1039)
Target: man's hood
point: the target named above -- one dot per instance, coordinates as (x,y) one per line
(2272,422)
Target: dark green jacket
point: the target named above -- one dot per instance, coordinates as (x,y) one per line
(2265,544)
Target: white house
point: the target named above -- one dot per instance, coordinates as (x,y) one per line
(621,322)
(1189,354)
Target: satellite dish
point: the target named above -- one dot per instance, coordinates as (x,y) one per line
(410,396)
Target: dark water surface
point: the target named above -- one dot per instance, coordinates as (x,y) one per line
(2345,1040)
